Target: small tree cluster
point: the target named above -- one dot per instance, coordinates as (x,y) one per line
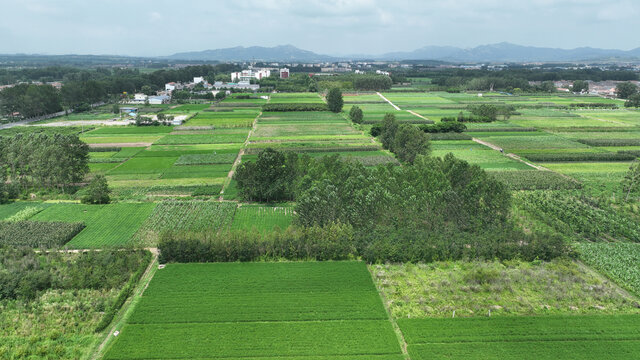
(626,89)
(98,191)
(404,140)
(334,100)
(356,115)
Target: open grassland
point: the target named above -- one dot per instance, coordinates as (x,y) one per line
(262,218)
(105,225)
(284,310)
(191,215)
(555,337)
(499,288)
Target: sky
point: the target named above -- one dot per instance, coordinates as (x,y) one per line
(331,27)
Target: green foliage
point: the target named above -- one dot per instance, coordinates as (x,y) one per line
(193,215)
(295,107)
(356,115)
(331,242)
(444,127)
(388,131)
(580,86)
(580,217)
(334,100)
(631,181)
(619,261)
(507,288)
(269,178)
(37,234)
(626,89)
(262,218)
(25,213)
(29,100)
(409,142)
(98,191)
(44,161)
(535,180)
(633,101)
(205,159)
(51,302)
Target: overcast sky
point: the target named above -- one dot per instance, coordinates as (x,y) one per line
(333,27)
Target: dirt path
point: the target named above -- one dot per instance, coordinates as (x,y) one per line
(128,306)
(239,157)
(416,114)
(513,156)
(387,100)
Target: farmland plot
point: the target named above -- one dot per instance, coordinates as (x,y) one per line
(233,310)
(557,337)
(262,218)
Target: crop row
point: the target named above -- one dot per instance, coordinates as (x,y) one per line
(37,234)
(204,159)
(535,180)
(580,216)
(580,156)
(619,261)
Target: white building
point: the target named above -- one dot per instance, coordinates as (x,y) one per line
(198,79)
(172,86)
(284,73)
(247,75)
(140,97)
(157,100)
(380,72)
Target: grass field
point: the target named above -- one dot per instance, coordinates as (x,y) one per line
(283,310)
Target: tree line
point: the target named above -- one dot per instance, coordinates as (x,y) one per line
(42,161)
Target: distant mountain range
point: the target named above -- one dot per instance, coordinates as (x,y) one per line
(502,52)
(257,53)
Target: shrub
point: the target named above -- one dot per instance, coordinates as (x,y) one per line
(98,191)
(334,100)
(355,114)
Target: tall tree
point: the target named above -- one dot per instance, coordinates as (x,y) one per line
(626,89)
(334,100)
(355,114)
(410,142)
(580,86)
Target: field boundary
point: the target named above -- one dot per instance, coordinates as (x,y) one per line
(389,101)
(401,340)
(126,310)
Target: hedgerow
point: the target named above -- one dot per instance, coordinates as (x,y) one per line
(610,142)
(535,180)
(580,156)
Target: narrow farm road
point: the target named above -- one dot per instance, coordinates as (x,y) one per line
(389,101)
(513,156)
(128,306)
(239,157)
(416,114)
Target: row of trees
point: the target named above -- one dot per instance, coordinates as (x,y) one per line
(433,209)
(406,141)
(44,161)
(30,100)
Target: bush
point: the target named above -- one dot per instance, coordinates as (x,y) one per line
(295,107)
(355,114)
(444,127)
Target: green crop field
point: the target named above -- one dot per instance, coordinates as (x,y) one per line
(549,337)
(106,225)
(326,310)
(262,218)
(619,261)
(177,215)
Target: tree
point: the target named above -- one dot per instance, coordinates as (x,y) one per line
(98,191)
(146,89)
(269,178)
(485,111)
(410,142)
(334,100)
(355,114)
(580,86)
(388,133)
(115,109)
(625,90)
(633,101)
(631,181)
